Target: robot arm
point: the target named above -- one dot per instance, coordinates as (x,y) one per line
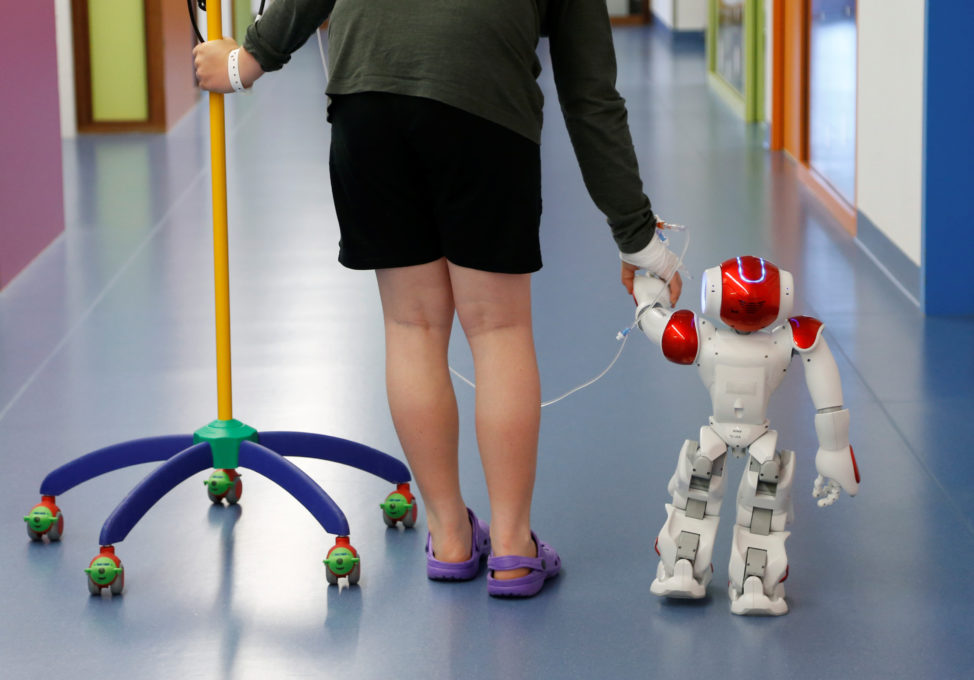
(835,460)
(675,332)
(652,305)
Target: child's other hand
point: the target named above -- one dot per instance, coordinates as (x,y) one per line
(629,275)
(676,287)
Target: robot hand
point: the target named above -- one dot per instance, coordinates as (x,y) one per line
(837,470)
(650,290)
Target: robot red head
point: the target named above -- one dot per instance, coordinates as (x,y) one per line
(748,293)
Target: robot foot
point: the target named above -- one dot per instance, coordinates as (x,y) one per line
(681,584)
(753,601)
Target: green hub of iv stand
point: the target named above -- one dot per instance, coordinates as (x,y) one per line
(224,437)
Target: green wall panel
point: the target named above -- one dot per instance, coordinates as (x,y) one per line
(746,96)
(119,80)
(241,18)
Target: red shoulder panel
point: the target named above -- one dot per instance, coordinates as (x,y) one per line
(805,330)
(680,342)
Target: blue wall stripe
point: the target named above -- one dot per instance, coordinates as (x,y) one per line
(948,163)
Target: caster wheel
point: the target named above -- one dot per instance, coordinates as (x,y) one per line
(224,484)
(45,519)
(409,520)
(400,506)
(93,587)
(55,531)
(342,561)
(118,584)
(233,495)
(105,571)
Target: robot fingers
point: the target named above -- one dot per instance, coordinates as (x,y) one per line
(650,291)
(839,466)
(826,490)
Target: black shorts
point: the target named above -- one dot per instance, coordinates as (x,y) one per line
(415,180)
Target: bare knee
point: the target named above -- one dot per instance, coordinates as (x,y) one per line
(479,319)
(420,318)
(417,298)
(488,302)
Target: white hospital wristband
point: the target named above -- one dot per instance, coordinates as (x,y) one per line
(233,70)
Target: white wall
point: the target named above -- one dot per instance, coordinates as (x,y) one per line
(691,15)
(65,67)
(889,135)
(681,15)
(664,11)
(618,7)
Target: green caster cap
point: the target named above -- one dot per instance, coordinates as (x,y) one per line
(103,571)
(341,561)
(219,482)
(396,505)
(40,519)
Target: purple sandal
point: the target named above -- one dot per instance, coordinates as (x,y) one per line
(546,565)
(460,571)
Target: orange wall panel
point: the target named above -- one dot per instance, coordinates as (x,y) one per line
(794,78)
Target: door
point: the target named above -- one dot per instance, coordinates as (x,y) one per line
(832,94)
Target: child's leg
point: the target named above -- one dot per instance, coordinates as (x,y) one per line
(417,307)
(495,312)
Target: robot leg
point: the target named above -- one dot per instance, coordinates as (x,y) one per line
(759,563)
(686,542)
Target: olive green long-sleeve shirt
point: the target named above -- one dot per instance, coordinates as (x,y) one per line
(480,56)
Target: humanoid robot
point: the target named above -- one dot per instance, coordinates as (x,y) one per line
(741,367)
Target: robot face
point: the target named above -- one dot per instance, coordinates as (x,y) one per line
(750,293)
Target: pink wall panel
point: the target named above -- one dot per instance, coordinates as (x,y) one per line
(31,199)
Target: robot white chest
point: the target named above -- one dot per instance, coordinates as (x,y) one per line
(741,371)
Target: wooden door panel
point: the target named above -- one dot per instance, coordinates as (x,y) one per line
(794,78)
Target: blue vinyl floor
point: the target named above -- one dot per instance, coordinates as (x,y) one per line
(108,336)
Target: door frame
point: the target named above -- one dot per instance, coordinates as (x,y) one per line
(790,82)
(156,118)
